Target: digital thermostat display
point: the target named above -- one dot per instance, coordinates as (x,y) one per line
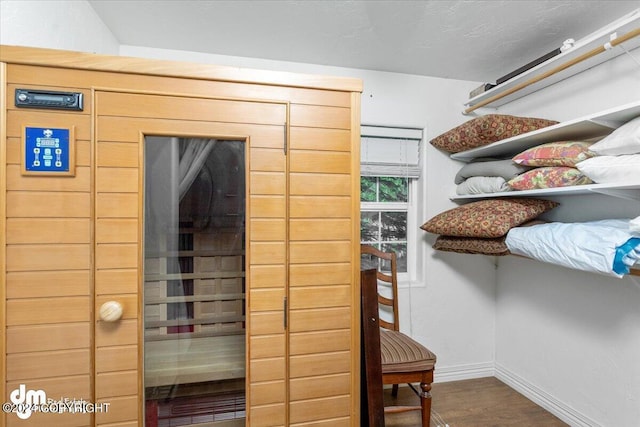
(47,150)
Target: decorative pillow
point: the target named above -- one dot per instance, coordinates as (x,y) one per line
(562,153)
(482,185)
(549,177)
(612,169)
(506,169)
(472,245)
(487,218)
(484,130)
(624,140)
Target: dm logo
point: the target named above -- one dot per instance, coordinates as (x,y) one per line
(25,400)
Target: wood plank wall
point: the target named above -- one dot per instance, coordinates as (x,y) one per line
(73,243)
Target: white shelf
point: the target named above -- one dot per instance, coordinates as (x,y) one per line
(584,128)
(622,26)
(627,191)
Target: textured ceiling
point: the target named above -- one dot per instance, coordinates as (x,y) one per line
(467,40)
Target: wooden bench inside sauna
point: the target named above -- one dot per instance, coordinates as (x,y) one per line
(194,296)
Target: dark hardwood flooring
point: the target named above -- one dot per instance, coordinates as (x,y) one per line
(483,402)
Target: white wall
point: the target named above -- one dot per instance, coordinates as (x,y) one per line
(68,25)
(569,337)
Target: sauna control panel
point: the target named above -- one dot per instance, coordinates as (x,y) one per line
(28,98)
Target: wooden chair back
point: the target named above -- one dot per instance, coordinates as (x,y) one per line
(387,298)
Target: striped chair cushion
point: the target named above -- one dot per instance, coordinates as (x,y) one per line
(402,354)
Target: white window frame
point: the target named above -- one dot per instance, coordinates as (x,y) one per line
(412,206)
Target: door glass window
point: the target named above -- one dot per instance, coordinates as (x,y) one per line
(194,281)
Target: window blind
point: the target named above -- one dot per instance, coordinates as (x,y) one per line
(390,151)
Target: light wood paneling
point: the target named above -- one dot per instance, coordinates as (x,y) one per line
(267,346)
(320,162)
(127,130)
(319,364)
(319,230)
(16,119)
(314,116)
(321,297)
(268,416)
(48,230)
(315,184)
(42,311)
(320,342)
(324,386)
(318,409)
(80,182)
(48,337)
(117,256)
(120,281)
(320,319)
(117,230)
(307,275)
(116,154)
(320,207)
(35,204)
(179,108)
(121,358)
(32,284)
(320,139)
(113,384)
(267,206)
(266,299)
(117,180)
(29,366)
(120,409)
(47,257)
(121,333)
(116,205)
(71,386)
(267,276)
(267,369)
(320,252)
(268,253)
(55,77)
(267,160)
(267,323)
(273,183)
(266,393)
(264,230)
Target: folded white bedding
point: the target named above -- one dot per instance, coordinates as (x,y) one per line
(607,246)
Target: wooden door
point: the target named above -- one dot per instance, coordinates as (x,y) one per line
(123,120)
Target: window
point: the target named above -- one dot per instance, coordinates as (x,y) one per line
(390,168)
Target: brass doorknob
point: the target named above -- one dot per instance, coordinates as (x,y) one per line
(111,311)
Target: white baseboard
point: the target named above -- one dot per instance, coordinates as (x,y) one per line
(463,372)
(543,399)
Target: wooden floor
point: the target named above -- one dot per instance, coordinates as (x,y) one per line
(483,402)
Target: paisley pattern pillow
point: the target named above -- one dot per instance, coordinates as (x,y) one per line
(484,130)
(489,218)
(472,245)
(549,177)
(562,153)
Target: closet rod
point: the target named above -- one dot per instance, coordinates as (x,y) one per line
(584,56)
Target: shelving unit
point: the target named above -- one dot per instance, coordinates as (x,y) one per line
(584,128)
(590,127)
(624,25)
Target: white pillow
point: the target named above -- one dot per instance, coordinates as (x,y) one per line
(612,169)
(624,140)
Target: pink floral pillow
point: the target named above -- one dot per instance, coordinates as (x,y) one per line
(561,153)
(549,177)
